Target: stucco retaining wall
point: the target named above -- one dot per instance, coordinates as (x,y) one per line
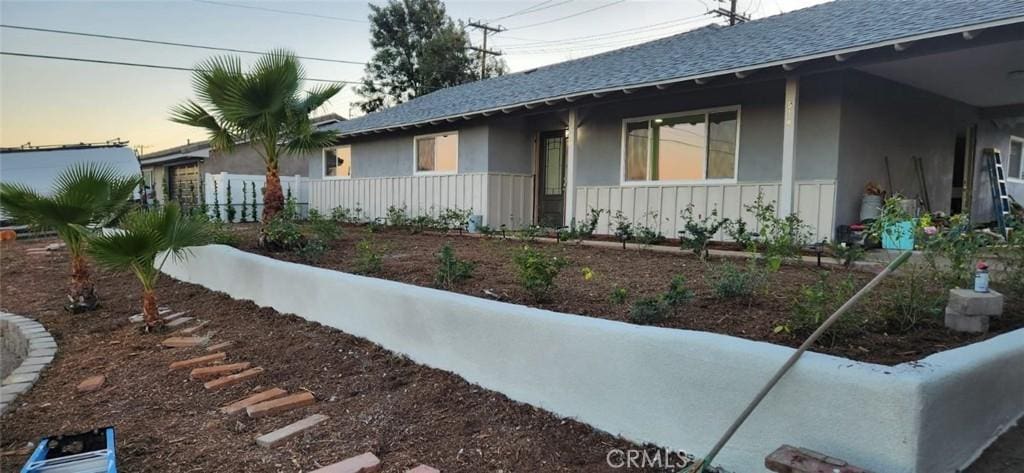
(32,345)
(675,388)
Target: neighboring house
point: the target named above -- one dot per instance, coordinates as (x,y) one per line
(178,172)
(805,107)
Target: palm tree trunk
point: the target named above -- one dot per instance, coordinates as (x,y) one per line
(273,197)
(149,310)
(83,292)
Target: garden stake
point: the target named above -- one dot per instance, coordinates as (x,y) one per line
(701,465)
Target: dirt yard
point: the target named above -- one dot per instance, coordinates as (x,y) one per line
(405,413)
(411,258)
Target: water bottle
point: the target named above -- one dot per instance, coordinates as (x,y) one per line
(981,278)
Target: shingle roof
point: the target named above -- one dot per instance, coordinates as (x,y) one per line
(819,30)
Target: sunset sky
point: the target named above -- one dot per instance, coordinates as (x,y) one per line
(45,101)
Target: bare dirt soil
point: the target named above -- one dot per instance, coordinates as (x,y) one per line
(405,413)
(412,258)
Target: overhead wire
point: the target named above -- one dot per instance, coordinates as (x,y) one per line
(286,12)
(574,15)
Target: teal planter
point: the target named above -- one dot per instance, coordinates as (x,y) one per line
(899,236)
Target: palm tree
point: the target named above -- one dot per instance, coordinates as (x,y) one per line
(264,107)
(84,197)
(144,242)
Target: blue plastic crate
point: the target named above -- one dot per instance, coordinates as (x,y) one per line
(898,236)
(89,452)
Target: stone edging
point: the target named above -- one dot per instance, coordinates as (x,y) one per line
(28,339)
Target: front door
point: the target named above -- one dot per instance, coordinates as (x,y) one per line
(551,180)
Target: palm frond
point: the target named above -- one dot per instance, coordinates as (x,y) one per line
(312,141)
(318,96)
(193,114)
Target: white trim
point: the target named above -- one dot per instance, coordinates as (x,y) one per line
(415,154)
(975,28)
(789,126)
(1020,171)
(703,111)
(569,197)
(323,162)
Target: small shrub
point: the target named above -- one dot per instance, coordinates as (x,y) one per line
(731,281)
(699,231)
(953,251)
(397,216)
(528,233)
(649,310)
(453,219)
(623,227)
(230,206)
(245,203)
(1013,259)
(252,192)
(846,253)
(487,231)
(369,259)
(913,294)
(678,293)
(619,295)
(283,234)
(343,215)
(375,225)
(312,250)
(537,271)
(648,235)
(588,274)
(324,229)
(816,302)
(216,202)
(780,238)
(582,231)
(737,230)
(451,270)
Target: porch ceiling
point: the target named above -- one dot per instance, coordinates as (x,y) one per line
(977,76)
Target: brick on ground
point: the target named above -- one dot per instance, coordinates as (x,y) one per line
(233,379)
(365,463)
(219,346)
(183,342)
(290,430)
(240,405)
(216,371)
(91,383)
(199,360)
(423,469)
(789,459)
(279,405)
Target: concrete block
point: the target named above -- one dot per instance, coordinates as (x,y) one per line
(968,302)
(365,463)
(966,323)
(286,432)
(21,378)
(15,389)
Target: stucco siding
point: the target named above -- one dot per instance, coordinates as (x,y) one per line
(244,159)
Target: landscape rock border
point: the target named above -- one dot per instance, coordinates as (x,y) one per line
(29,340)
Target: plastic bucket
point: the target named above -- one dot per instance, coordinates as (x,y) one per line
(870,207)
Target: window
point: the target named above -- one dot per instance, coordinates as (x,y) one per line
(438,153)
(1016,161)
(691,146)
(338,162)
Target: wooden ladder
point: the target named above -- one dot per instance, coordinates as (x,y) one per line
(997,181)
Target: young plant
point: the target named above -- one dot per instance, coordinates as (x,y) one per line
(245,203)
(397,216)
(648,235)
(582,231)
(84,198)
(698,231)
(253,211)
(216,203)
(451,270)
(537,271)
(323,229)
(952,252)
(846,253)
(369,259)
(623,227)
(454,219)
(649,310)
(816,303)
(231,207)
(678,293)
(282,233)
(619,295)
(146,239)
(914,293)
(735,282)
(781,238)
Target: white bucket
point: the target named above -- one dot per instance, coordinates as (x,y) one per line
(870,207)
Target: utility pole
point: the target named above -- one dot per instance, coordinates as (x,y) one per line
(485,28)
(730,13)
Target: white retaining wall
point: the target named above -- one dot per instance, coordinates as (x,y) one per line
(675,388)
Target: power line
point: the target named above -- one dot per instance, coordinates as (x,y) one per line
(616,2)
(286,12)
(136,64)
(167,43)
(622,42)
(611,34)
(485,29)
(532,9)
(730,13)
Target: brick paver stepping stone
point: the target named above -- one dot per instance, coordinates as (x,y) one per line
(183,342)
(179,321)
(219,346)
(423,469)
(279,405)
(194,328)
(286,432)
(91,383)
(200,360)
(168,318)
(216,371)
(365,463)
(240,405)
(233,379)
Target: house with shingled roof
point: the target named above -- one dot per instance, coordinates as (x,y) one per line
(804,108)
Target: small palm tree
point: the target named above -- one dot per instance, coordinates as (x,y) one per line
(83,198)
(264,107)
(144,242)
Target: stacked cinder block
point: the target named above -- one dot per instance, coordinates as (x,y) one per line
(969,311)
(29,341)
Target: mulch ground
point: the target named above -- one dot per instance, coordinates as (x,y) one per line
(411,258)
(377,401)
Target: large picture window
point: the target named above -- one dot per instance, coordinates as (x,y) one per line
(690,146)
(338,162)
(437,153)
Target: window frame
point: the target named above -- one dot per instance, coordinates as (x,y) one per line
(702,111)
(323,162)
(1020,172)
(416,151)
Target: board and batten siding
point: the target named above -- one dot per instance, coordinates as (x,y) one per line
(661,206)
(503,199)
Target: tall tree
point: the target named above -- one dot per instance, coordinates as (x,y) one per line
(417,50)
(264,107)
(84,198)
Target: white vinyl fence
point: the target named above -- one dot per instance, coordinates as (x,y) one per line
(246,194)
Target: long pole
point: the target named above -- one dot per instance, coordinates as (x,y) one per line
(706,462)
